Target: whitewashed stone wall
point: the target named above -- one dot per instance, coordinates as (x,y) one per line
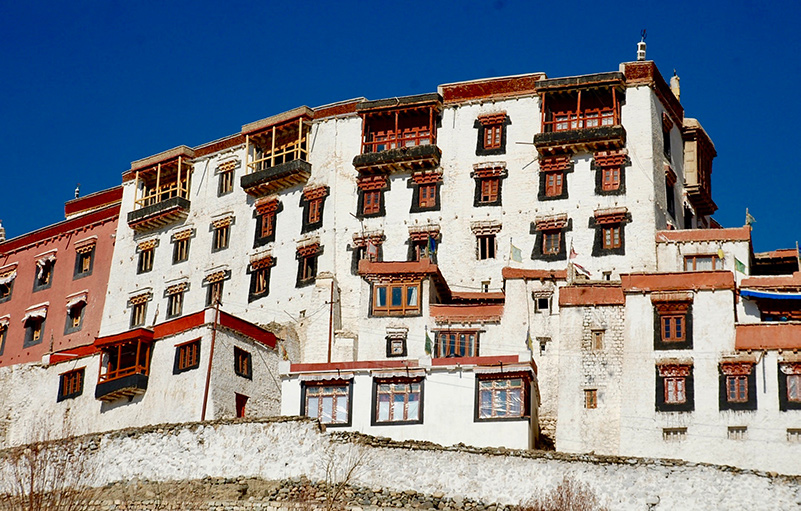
(283,449)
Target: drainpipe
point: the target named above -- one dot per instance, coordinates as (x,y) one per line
(211,357)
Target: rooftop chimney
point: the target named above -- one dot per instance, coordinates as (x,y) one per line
(675,86)
(641,46)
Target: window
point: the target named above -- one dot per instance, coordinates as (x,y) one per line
(794,435)
(315,209)
(420,247)
(737,389)
(145,263)
(452,344)
(259,283)
(427,195)
(214,293)
(175,301)
(307,268)
(44,273)
(667,126)
(372,202)
(138,311)
(329,402)
(673,324)
(551,242)
(611,179)
(674,434)
(503,397)
(789,386)
(590,398)
(492,136)
(553,184)
(794,388)
(187,356)
(3,335)
(737,432)
(489,189)
(34,331)
(597,340)
(75,314)
(242,365)
(611,237)
(266,225)
(313,201)
(491,133)
(124,359)
(396,346)
(674,388)
(240,402)
(702,263)
(226,183)
(222,235)
(670,197)
(70,384)
(543,342)
(486,246)
(84,258)
(180,251)
(5,291)
(396,299)
(542,304)
(398,401)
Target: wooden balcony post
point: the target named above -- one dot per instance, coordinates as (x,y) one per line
(364,140)
(272,151)
(158,183)
(578,113)
(300,135)
(616,114)
(396,129)
(542,114)
(178,181)
(247,153)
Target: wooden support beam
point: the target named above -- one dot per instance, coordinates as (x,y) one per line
(272,151)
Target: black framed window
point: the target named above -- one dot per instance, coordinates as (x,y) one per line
(737,386)
(34,331)
(75,317)
(491,133)
(243,363)
(187,356)
(674,388)
(6,290)
(260,279)
(44,274)
(307,265)
(673,325)
(789,386)
(549,244)
(70,384)
(84,261)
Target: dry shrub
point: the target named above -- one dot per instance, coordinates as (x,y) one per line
(569,495)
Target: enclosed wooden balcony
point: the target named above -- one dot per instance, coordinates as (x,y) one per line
(399,134)
(161,192)
(277,152)
(124,366)
(699,151)
(581,114)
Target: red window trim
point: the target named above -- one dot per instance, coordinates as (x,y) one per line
(554,183)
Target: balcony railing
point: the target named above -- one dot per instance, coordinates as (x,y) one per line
(284,153)
(382,141)
(591,118)
(162,193)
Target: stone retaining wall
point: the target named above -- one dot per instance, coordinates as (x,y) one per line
(284,449)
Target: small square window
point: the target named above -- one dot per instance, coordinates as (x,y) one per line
(543,342)
(396,345)
(84,259)
(329,402)
(371,202)
(138,312)
(502,397)
(553,184)
(611,237)
(427,195)
(222,236)
(145,263)
(70,384)
(551,242)
(673,329)
(737,389)
(180,252)
(542,305)
(187,356)
(398,401)
(240,401)
(611,178)
(590,398)
(492,136)
(737,433)
(242,366)
(486,246)
(226,183)
(674,434)
(794,435)
(489,189)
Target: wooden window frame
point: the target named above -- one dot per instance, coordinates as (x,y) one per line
(554,183)
(610,179)
(187,356)
(489,389)
(315,210)
(737,388)
(490,187)
(427,195)
(335,391)
(387,390)
(548,237)
(34,331)
(221,238)
(793,388)
(180,251)
(671,325)
(371,202)
(145,262)
(485,246)
(84,263)
(611,236)
(408,291)
(691,262)
(175,304)
(214,293)
(307,268)
(590,399)
(675,390)
(260,282)
(73,323)
(46,279)
(243,363)
(226,183)
(70,384)
(493,136)
(457,344)
(138,314)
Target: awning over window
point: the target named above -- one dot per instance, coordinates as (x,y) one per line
(770,294)
(4,322)
(7,277)
(75,300)
(37,313)
(325,376)
(399,373)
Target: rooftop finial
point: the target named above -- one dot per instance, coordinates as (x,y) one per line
(78,190)
(2,232)
(641,45)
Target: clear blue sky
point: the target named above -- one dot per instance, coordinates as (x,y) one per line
(88,87)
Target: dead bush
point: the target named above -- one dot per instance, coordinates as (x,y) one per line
(569,495)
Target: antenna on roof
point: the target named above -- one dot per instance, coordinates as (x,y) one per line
(641,45)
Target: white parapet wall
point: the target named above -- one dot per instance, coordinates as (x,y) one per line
(283,448)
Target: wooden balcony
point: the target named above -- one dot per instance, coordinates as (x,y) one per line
(126,386)
(601,138)
(125,365)
(159,214)
(399,159)
(277,178)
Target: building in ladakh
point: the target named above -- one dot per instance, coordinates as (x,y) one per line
(519,261)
